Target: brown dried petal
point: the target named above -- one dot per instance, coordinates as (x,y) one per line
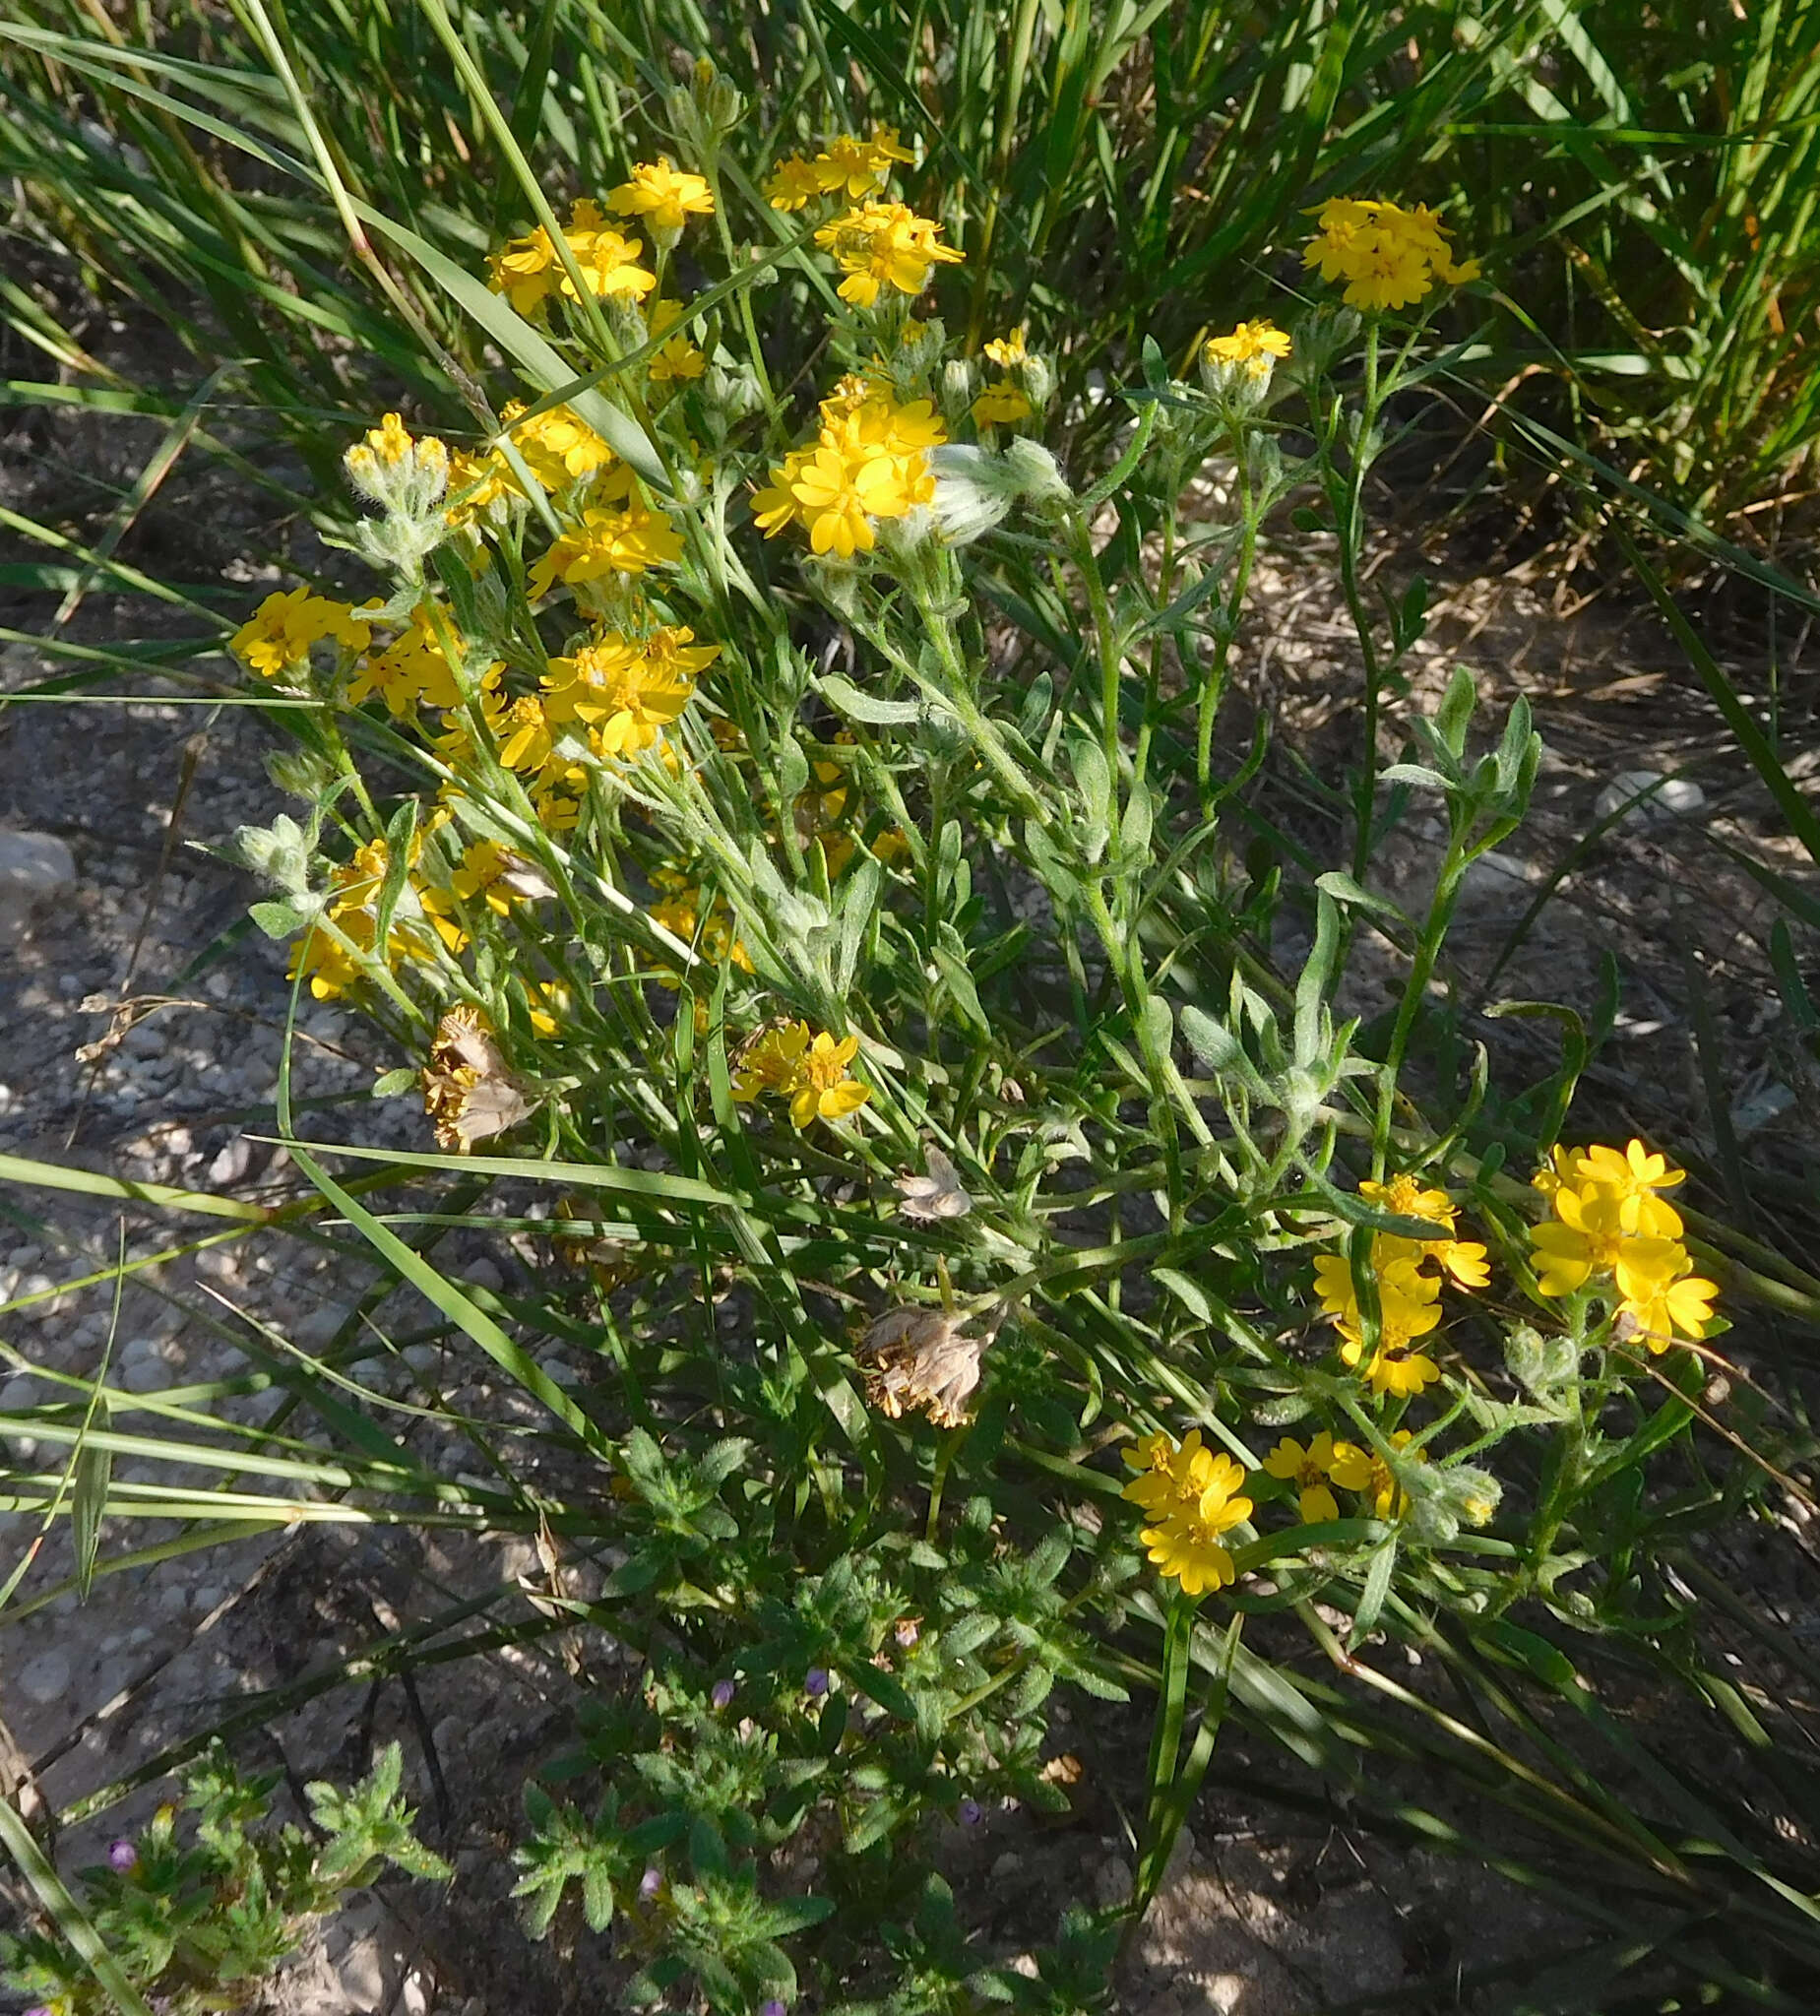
(921,1359)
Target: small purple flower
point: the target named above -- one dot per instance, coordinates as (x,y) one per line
(815,1683)
(772,2007)
(972,1812)
(122,1856)
(723,1692)
(651,1883)
(37,2009)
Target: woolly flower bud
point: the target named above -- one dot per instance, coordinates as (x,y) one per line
(1040,482)
(278,853)
(960,383)
(973,490)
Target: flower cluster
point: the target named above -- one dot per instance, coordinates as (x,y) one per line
(869,461)
(275,641)
(1387,255)
(1610,1229)
(329,953)
(809,1070)
(625,691)
(884,244)
(1192,1495)
(1408,1294)
(849,165)
(1315,1467)
(529,269)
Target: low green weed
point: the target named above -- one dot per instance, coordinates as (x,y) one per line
(198,1908)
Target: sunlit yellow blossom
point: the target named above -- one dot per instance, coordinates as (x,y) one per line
(1388,256)
(678,359)
(1309,1469)
(523,730)
(1257,345)
(1663,1310)
(1609,1230)
(354,890)
(524,270)
(884,244)
(1464,1259)
(413,671)
(1193,1495)
(665,196)
(560,448)
(854,166)
(1007,350)
(609,541)
(824,1089)
(1408,1308)
(811,1072)
(792,183)
(870,462)
(606,261)
(1365,1472)
(277,638)
(626,690)
(1000,406)
(484,873)
(1633,1177)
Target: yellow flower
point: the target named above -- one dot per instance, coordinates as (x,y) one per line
(678,359)
(277,638)
(1256,346)
(1000,406)
(1583,1238)
(608,542)
(824,1089)
(561,448)
(626,691)
(1359,1469)
(836,496)
(1608,1222)
(792,183)
(1309,1469)
(1007,350)
(522,271)
(1387,255)
(665,196)
(884,244)
(1464,1259)
(811,1073)
(413,671)
(354,890)
(1408,1308)
(857,167)
(1633,1177)
(1661,1311)
(1192,1494)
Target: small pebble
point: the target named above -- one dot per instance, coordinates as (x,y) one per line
(46,1679)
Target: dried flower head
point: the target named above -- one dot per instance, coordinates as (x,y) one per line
(937,1195)
(467,1093)
(921,1359)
